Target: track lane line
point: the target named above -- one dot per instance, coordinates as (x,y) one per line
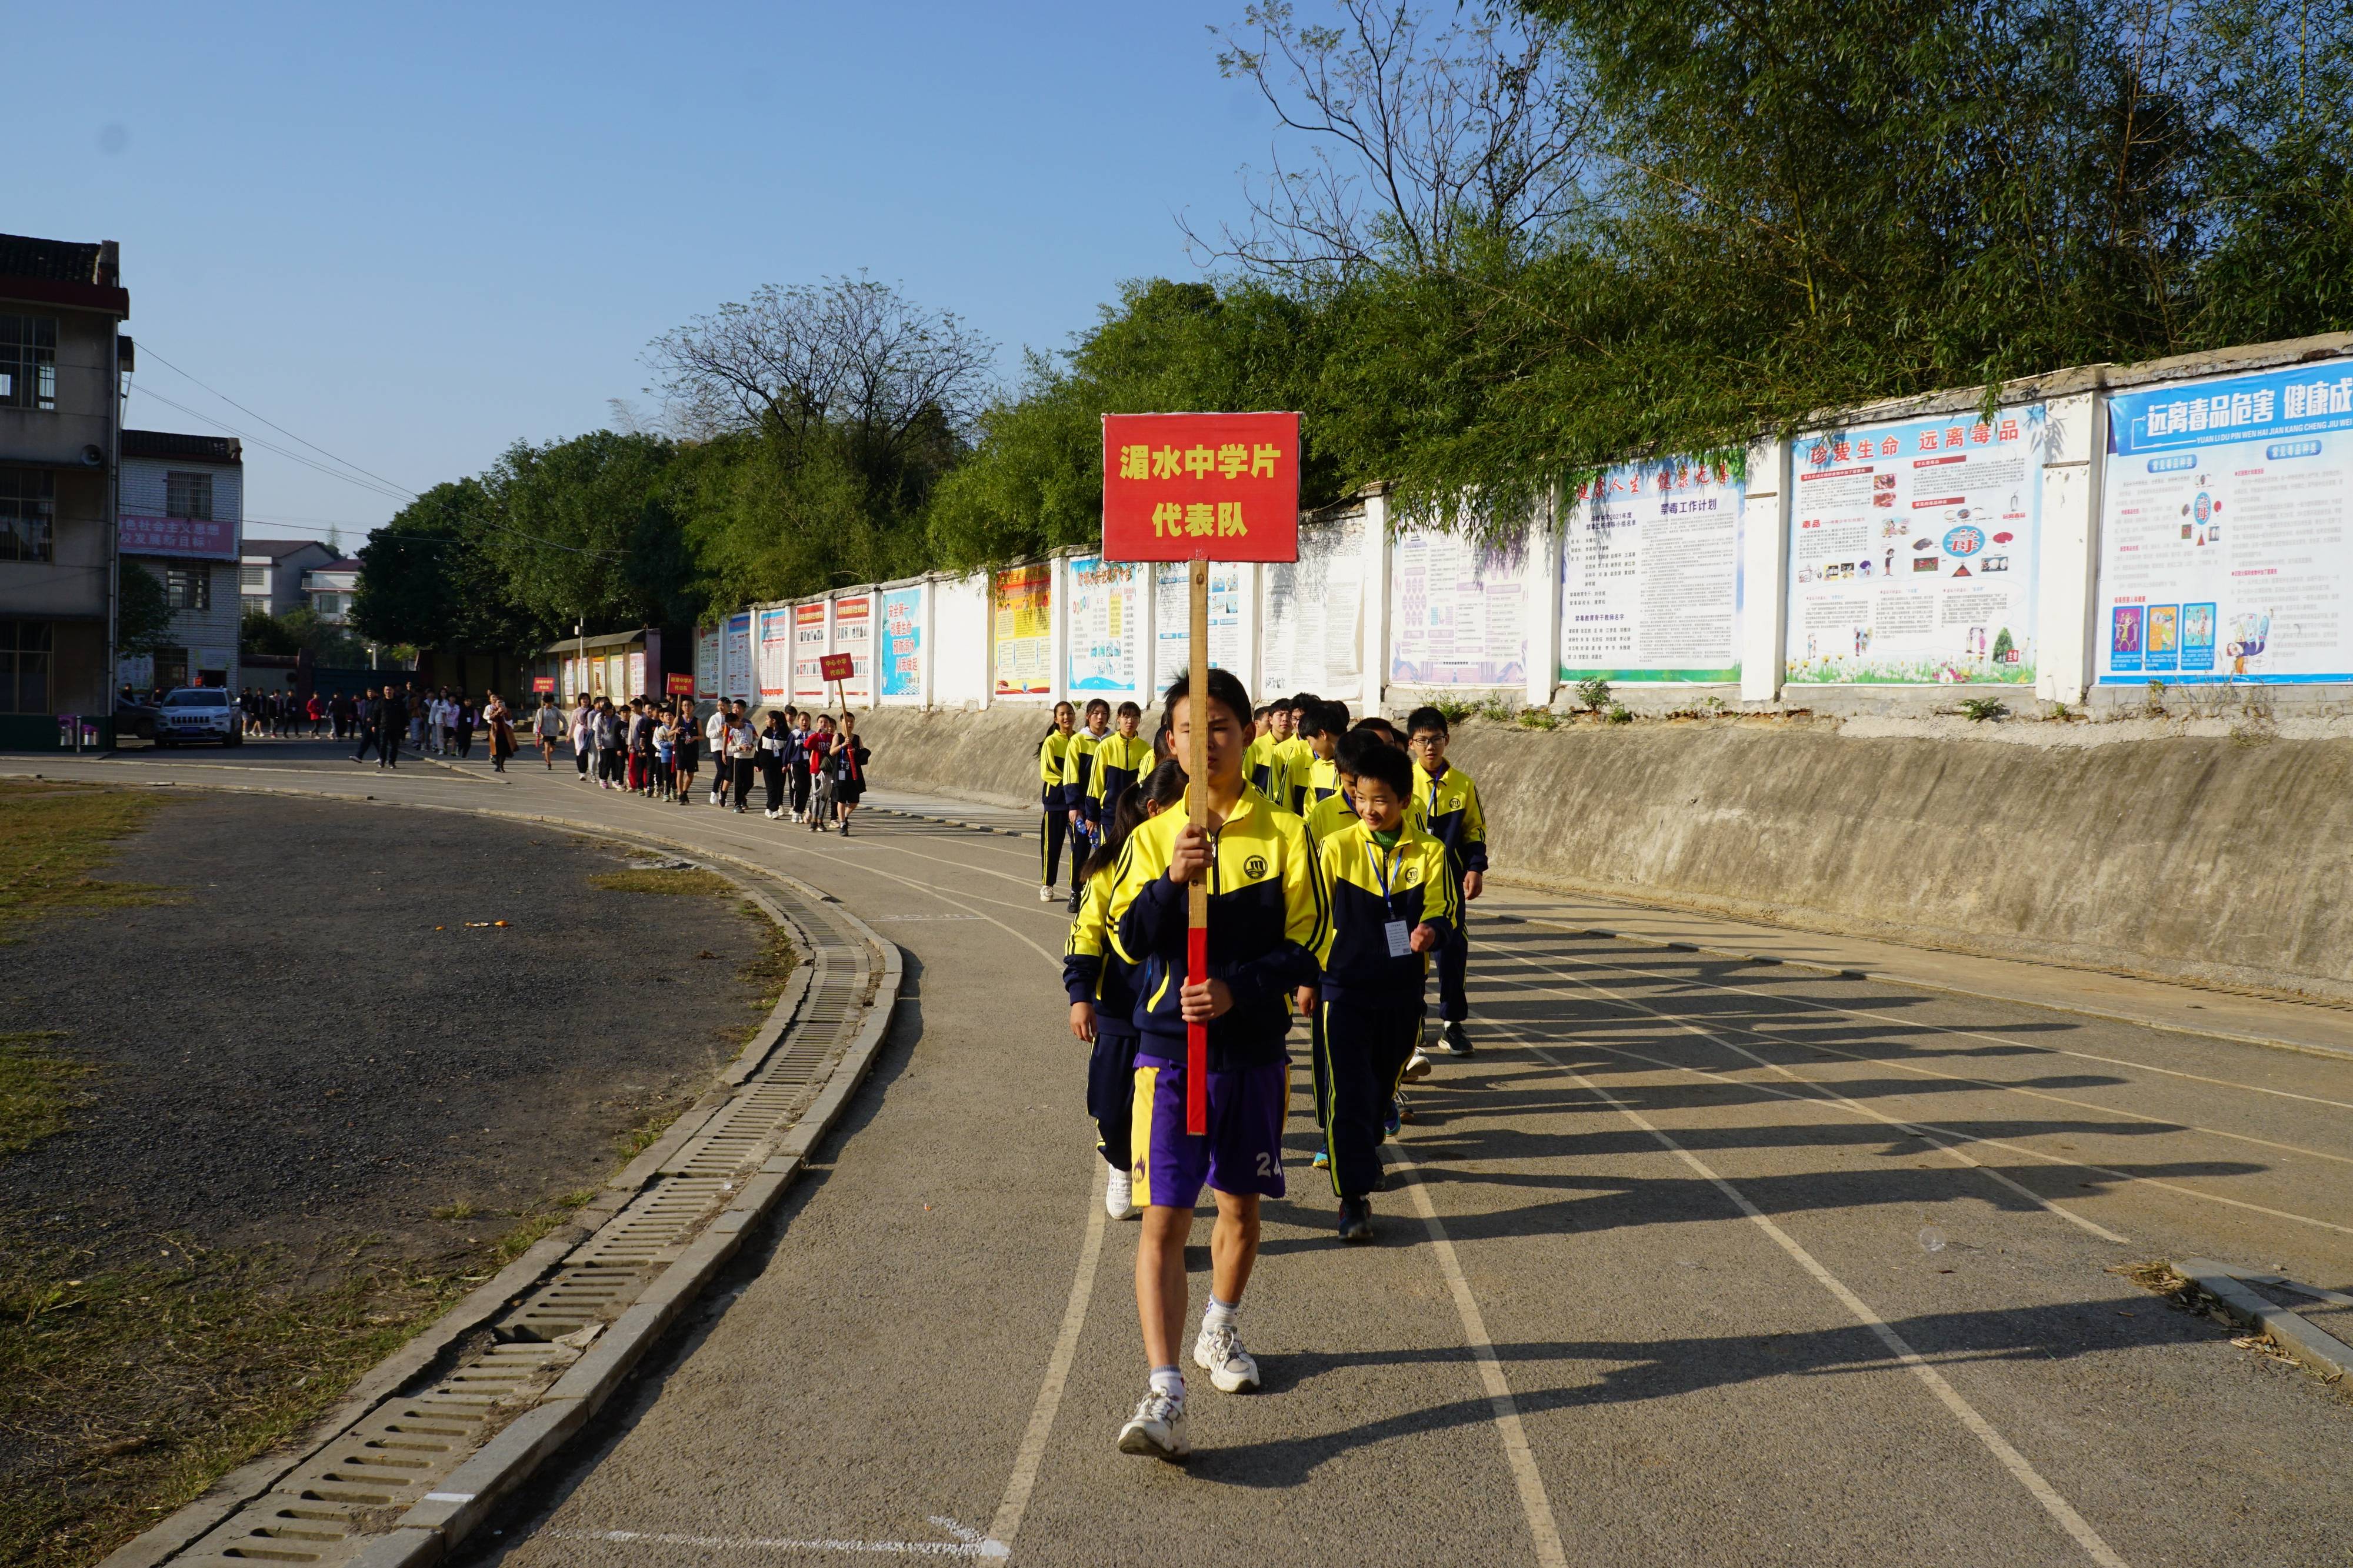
(2021,1469)
(1959,1033)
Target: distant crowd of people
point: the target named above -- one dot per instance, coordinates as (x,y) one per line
(812,765)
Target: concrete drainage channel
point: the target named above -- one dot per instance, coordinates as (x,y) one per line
(444,1429)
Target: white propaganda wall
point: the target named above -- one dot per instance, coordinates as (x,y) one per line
(1650,576)
(1172,620)
(899,650)
(960,617)
(853,634)
(2223,532)
(1313,626)
(1458,612)
(706,664)
(1105,647)
(735,657)
(1913,550)
(772,657)
(808,649)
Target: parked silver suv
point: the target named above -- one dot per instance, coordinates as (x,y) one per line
(199,713)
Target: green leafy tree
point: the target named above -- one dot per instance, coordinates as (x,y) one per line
(142,610)
(427,579)
(585,529)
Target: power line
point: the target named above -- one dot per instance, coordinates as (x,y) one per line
(149,349)
(290,455)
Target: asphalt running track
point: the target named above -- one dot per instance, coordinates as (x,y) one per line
(1701,1262)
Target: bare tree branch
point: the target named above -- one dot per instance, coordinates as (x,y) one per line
(1417,137)
(849,352)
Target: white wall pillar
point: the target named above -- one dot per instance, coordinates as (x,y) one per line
(1374,653)
(1252,585)
(2067,560)
(927,641)
(1058,621)
(1764,571)
(987,639)
(1544,602)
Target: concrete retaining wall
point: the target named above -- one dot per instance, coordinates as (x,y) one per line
(2203,858)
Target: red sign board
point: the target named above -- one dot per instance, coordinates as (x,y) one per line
(543,683)
(197,538)
(1184,487)
(679,685)
(834,667)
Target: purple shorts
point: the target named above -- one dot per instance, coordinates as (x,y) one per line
(1243,1152)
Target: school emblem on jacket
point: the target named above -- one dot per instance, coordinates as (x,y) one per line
(1408,876)
(1254,867)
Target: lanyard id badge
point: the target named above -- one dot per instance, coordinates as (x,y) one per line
(1400,935)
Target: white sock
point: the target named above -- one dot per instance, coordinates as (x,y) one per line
(1167,1380)
(1221,1314)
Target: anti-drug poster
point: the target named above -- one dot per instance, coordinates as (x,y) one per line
(901,655)
(1315,614)
(1650,576)
(1458,612)
(1106,627)
(735,657)
(853,634)
(1172,620)
(808,651)
(1913,549)
(2223,532)
(773,657)
(706,664)
(1021,630)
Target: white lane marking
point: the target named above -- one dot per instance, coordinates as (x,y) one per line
(1911,1024)
(2081,1164)
(1534,1502)
(1032,1452)
(1912,1128)
(969,1543)
(2016,1463)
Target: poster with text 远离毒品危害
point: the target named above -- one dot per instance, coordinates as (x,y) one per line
(2225,517)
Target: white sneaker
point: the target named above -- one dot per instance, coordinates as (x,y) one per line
(1119,1195)
(1416,1067)
(714,797)
(1219,1352)
(1046,894)
(772,816)
(1158,1428)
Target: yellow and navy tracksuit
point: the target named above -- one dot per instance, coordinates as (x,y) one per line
(1057,823)
(1369,1019)
(1450,802)
(1322,781)
(1268,916)
(1264,769)
(1079,773)
(1092,973)
(1297,757)
(1120,760)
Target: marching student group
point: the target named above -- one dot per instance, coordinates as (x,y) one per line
(1338,858)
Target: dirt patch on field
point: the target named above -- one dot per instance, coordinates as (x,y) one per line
(294,1076)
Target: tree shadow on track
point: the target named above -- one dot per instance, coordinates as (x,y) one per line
(1611,1373)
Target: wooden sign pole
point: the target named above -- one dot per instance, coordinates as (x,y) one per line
(1197,896)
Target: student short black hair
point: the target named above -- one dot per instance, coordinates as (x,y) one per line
(1095,702)
(1389,765)
(1305,699)
(1130,711)
(1422,719)
(1324,719)
(1380,727)
(1226,690)
(1349,755)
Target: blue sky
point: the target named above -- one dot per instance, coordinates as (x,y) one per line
(412,236)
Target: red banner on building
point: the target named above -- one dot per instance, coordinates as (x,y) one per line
(1181,487)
